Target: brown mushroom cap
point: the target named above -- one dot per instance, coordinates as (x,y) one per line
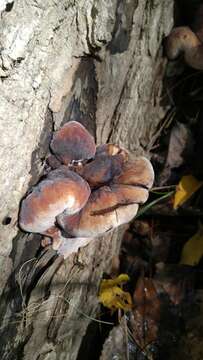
(106,209)
(103,169)
(183,40)
(61,190)
(126,213)
(111,150)
(138,172)
(180,39)
(73,142)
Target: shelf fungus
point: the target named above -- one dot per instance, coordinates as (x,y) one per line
(90,191)
(182,40)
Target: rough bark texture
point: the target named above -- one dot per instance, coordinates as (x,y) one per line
(116,345)
(98,62)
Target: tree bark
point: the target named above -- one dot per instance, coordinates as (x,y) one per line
(97,62)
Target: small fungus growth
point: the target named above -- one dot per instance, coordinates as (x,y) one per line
(188,42)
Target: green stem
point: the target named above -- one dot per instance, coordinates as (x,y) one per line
(148,206)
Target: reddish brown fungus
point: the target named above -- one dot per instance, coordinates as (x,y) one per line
(73,142)
(61,191)
(102,170)
(107,208)
(61,206)
(111,150)
(137,172)
(182,40)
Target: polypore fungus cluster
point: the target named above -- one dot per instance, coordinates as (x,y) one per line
(88,191)
(183,40)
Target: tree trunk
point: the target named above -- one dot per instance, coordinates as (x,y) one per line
(97,62)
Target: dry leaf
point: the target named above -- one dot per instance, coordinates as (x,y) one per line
(193,249)
(145,316)
(112,296)
(146,300)
(187,186)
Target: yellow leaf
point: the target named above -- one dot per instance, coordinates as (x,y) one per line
(112,296)
(187,186)
(193,249)
(119,280)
